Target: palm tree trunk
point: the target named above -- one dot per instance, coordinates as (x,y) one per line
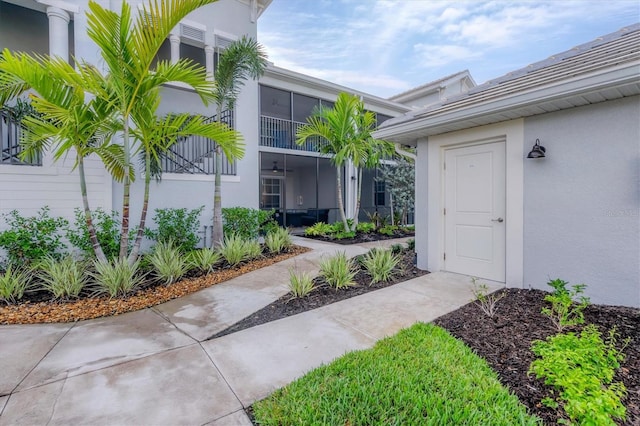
(358,200)
(391,208)
(340,202)
(217,231)
(124,230)
(133,256)
(97,249)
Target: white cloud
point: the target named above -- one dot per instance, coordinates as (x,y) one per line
(431,56)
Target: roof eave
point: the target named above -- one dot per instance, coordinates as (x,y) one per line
(418,127)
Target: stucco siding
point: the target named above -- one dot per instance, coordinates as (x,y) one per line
(582,202)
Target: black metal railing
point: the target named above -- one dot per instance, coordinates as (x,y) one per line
(279,133)
(197,154)
(10,148)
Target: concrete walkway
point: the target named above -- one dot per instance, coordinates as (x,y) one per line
(156,367)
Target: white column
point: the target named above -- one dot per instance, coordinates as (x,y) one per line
(208,52)
(58,32)
(174,39)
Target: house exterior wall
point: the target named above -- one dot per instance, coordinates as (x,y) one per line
(429,218)
(582,202)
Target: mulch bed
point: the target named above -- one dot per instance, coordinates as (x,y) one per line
(323,295)
(363,237)
(34,310)
(505,343)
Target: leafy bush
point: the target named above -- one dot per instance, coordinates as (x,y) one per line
(366,227)
(247,223)
(388,230)
(253,249)
(397,248)
(318,229)
(116,278)
(344,235)
(235,250)
(579,368)
(107,231)
(278,240)
(563,311)
(411,244)
(377,219)
(169,264)
(380,264)
(338,271)
(300,284)
(421,376)
(30,239)
(204,260)
(179,226)
(485,300)
(13,283)
(64,278)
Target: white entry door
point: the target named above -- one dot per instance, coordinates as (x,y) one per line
(474,213)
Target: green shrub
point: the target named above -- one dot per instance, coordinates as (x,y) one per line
(300,284)
(319,229)
(278,240)
(169,264)
(116,277)
(421,376)
(377,219)
(13,283)
(235,250)
(338,271)
(204,260)
(342,235)
(247,223)
(179,226)
(388,230)
(366,227)
(30,239)
(485,300)
(397,248)
(107,231)
(564,312)
(380,264)
(411,244)
(64,278)
(581,369)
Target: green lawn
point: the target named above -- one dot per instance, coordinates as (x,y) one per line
(420,376)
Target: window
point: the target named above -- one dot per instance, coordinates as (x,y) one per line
(379,192)
(10,148)
(196,54)
(381,118)
(271,193)
(303,107)
(275,103)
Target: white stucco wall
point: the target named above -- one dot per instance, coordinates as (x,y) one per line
(582,202)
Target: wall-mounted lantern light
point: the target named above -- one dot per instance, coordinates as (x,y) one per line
(538,151)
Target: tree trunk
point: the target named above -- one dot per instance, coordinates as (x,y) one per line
(356,214)
(340,202)
(124,230)
(133,256)
(391,207)
(217,231)
(97,249)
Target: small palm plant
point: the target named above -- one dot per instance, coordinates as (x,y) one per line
(300,283)
(13,284)
(63,278)
(116,278)
(380,264)
(204,260)
(169,264)
(338,271)
(278,240)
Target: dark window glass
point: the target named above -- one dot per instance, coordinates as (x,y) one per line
(379,192)
(303,107)
(275,103)
(382,118)
(196,54)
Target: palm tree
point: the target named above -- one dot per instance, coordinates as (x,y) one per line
(157,135)
(65,121)
(128,49)
(347,129)
(242,59)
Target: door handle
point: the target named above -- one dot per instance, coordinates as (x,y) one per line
(499,220)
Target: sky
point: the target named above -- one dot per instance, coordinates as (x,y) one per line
(385,47)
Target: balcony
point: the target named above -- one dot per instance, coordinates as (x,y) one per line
(197,155)
(10,149)
(279,133)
